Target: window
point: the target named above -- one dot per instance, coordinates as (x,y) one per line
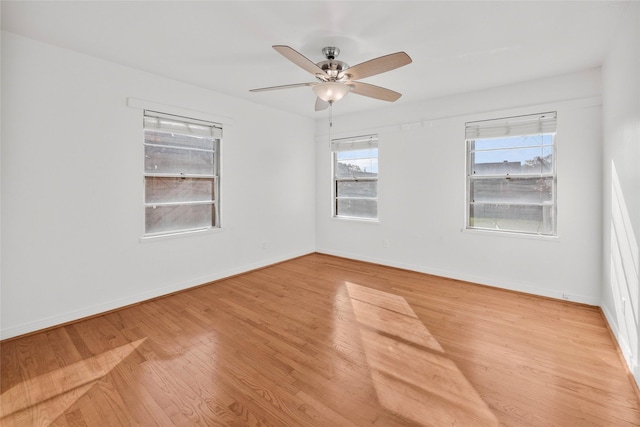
(511,174)
(355,177)
(181,174)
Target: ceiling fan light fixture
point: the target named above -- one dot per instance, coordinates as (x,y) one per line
(331,91)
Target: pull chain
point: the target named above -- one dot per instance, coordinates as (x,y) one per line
(330,120)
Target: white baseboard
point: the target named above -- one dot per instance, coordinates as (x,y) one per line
(466,277)
(62,318)
(627,354)
(621,341)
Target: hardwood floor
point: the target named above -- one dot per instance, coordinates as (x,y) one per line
(324,341)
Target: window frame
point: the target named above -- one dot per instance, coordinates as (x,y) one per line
(213,177)
(352,144)
(515,126)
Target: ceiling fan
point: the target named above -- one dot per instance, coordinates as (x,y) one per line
(336,78)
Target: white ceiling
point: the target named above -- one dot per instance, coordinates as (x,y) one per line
(456,46)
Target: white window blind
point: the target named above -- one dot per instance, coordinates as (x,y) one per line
(355,143)
(512,126)
(181,125)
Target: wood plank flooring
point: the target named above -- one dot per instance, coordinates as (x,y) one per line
(324,341)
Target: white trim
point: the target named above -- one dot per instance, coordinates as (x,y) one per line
(622,344)
(178,234)
(355,219)
(118,303)
(509,234)
(474,279)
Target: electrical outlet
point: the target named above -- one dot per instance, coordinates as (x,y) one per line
(264,245)
(385,243)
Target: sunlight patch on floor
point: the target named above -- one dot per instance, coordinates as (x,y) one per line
(412,375)
(41,400)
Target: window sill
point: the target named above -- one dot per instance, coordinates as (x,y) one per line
(356,219)
(509,234)
(159,237)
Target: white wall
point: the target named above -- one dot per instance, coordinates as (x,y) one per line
(422,191)
(621,187)
(72,213)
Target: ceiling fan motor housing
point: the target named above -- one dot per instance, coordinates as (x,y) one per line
(331,66)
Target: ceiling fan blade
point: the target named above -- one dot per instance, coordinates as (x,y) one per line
(321,104)
(372,91)
(376,66)
(299,59)
(264,89)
